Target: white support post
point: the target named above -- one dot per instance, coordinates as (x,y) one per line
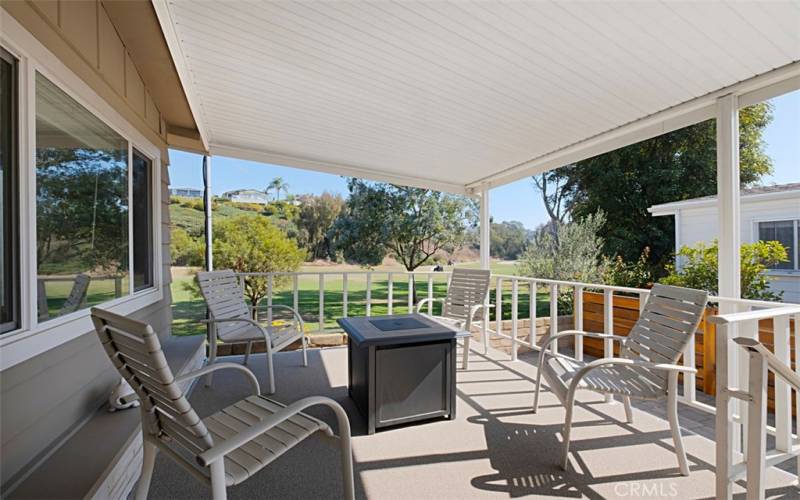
(783,393)
(757,433)
(485,228)
(554,316)
(390,294)
(578,316)
(369,294)
(728,208)
(514,315)
(532,316)
(321,302)
(725,428)
(797,370)
(344,295)
(207,204)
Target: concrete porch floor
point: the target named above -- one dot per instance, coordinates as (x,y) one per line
(495,448)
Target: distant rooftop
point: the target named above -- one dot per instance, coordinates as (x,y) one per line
(746,192)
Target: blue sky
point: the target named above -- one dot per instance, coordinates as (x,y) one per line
(515,201)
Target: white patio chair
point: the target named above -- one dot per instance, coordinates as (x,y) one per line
(646,368)
(466,297)
(225,448)
(75,300)
(232,321)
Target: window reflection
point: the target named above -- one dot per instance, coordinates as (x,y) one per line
(81,205)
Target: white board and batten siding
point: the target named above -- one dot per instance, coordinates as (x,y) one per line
(696,221)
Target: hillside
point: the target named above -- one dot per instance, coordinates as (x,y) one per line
(187,213)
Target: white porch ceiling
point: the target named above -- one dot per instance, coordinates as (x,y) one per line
(446,95)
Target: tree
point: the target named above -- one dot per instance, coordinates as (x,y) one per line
(253,244)
(315,220)
(554,187)
(411,224)
(509,239)
(277,184)
(700,267)
(185,249)
(675,166)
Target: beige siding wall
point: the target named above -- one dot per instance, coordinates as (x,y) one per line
(48,396)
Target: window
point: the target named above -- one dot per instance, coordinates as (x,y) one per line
(785,232)
(9,166)
(81,206)
(141,172)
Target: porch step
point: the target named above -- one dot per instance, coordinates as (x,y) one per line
(102,458)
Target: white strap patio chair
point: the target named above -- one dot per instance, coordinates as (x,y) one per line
(466,297)
(75,300)
(646,368)
(221,450)
(232,321)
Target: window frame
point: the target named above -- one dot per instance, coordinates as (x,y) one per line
(31,337)
(132,149)
(796,241)
(13,178)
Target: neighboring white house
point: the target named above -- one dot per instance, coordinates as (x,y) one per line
(186,192)
(768,213)
(247,196)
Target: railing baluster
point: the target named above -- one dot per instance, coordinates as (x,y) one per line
(269,300)
(554,316)
(390,294)
(747,329)
(430,294)
(296,294)
(578,317)
(321,302)
(498,306)
(410,293)
(783,393)
(532,290)
(344,295)
(369,294)
(608,328)
(514,320)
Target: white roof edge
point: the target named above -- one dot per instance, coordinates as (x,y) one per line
(333,168)
(672,207)
(761,87)
(173,43)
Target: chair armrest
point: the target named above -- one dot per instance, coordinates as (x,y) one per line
(267,336)
(294,311)
(221,366)
(222,448)
(637,363)
(579,333)
(425,301)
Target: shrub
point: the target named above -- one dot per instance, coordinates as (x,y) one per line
(700,265)
(185,249)
(637,274)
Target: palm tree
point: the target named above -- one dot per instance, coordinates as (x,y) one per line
(278,185)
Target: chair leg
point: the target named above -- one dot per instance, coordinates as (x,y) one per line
(212,356)
(465,358)
(538,386)
(485,334)
(347,466)
(672,414)
(568,429)
(218,491)
(270,373)
(247,350)
(149,452)
(628,409)
(305,347)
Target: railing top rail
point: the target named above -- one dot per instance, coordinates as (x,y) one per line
(598,286)
(727,319)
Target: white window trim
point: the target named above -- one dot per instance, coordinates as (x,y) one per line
(32,338)
(755,238)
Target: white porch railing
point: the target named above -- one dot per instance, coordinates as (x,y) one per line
(509,290)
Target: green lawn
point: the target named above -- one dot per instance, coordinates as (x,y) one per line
(187,307)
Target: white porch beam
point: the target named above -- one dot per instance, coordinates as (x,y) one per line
(485,227)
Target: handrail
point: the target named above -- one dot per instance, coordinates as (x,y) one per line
(739,317)
(775,364)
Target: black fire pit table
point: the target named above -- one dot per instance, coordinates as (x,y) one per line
(402,368)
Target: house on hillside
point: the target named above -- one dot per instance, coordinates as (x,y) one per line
(768,213)
(246,196)
(186,192)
